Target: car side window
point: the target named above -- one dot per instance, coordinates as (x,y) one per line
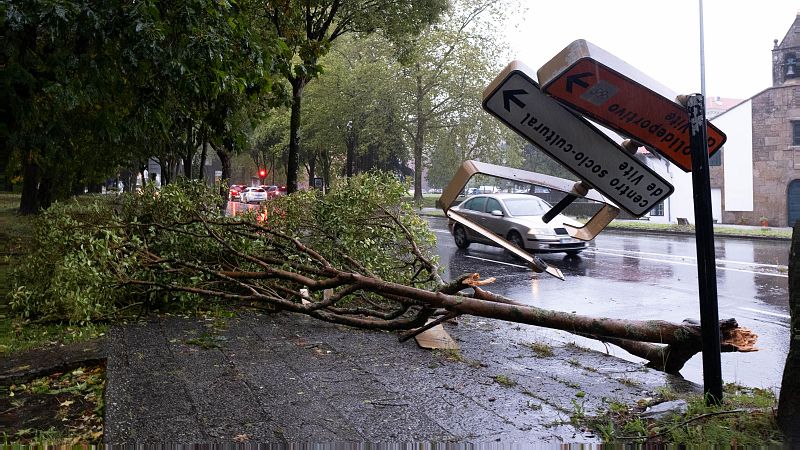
(492,204)
(476,204)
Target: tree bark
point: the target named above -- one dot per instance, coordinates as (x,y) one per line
(419,143)
(188,152)
(29,202)
(351,143)
(789,400)
(293,164)
(203,156)
(225,157)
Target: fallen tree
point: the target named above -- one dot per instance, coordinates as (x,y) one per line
(358,256)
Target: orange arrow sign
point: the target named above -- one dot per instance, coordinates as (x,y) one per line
(608,90)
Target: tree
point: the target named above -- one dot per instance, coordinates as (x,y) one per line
(309,28)
(269,140)
(472,134)
(207,73)
(354,107)
(89,87)
(445,71)
(60,94)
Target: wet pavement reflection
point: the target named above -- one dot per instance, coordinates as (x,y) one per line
(644,276)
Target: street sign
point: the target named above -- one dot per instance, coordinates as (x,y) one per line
(515,99)
(608,90)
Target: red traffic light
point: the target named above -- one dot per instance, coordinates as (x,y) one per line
(262,173)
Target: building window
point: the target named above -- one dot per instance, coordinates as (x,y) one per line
(796,132)
(715,159)
(658,210)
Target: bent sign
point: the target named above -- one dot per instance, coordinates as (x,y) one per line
(608,90)
(515,99)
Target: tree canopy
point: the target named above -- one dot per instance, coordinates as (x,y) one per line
(92,90)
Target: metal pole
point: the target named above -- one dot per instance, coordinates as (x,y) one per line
(706,263)
(702,56)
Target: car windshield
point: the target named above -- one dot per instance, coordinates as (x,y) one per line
(256,190)
(532,206)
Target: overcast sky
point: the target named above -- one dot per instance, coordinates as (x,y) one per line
(662,38)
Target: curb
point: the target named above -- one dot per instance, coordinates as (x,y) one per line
(27,365)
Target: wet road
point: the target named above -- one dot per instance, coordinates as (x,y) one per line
(640,276)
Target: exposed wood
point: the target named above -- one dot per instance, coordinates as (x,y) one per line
(436,338)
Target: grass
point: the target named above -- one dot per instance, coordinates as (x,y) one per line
(428,200)
(745,418)
(504,380)
(720,230)
(61,409)
(541,350)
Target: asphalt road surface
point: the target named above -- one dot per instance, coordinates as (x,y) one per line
(648,276)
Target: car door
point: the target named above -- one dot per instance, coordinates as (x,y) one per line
(496,224)
(473,209)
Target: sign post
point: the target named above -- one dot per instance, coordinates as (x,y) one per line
(706,263)
(607,89)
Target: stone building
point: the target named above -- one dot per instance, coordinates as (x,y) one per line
(758,173)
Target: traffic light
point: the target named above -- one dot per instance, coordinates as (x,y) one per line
(262,173)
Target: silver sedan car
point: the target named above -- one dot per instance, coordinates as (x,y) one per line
(517,218)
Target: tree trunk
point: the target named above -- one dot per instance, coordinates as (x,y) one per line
(189,151)
(789,400)
(419,143)
(350,143)
(203,156)
(225,157)
(293,164)
(45,191)
(312,168)
(29,202)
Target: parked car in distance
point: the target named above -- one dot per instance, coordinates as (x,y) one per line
(254,195)
(517,218)
(274,191)
(235,192)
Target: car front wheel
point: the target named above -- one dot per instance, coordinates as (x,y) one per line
(460,236)
(516,239)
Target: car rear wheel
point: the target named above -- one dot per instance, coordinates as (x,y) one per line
(460,236)
(515,239)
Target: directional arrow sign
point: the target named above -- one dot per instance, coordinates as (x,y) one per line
(515,99)
(605,88)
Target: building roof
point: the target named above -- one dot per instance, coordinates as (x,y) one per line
(792,38)
(718,105)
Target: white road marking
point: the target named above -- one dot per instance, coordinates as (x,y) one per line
(768,313)
(693,258)
(731,269)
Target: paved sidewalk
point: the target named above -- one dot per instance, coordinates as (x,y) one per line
(282,378)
